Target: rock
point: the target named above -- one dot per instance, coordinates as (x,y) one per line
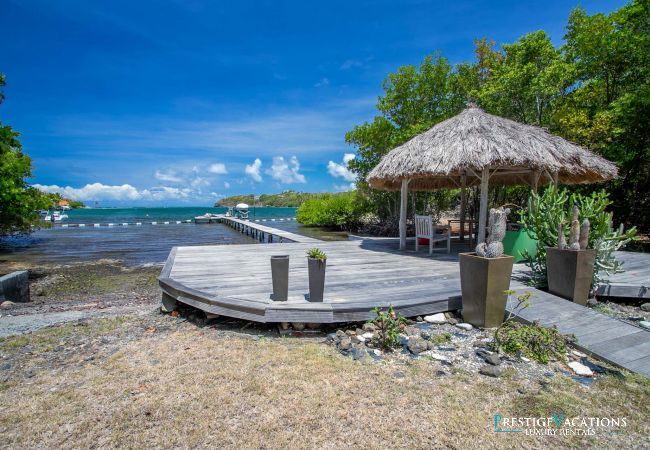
(439,357)
(399,375)
(412,331)
(580,369)
(490,371)
(358,331)
(493,359)
(298,326)
(369,327)
(417,345)
(7,304)
(592,302)
(578,354)
(426,334)
(350,332)
(419,319)
(436,318)
(340,334)
(464,326)
(645,307)
(368,335)
(345,344)
(453,321)
(643,324)
(524,359)
(357,339)
(284,325)
(377,352)
(358,352)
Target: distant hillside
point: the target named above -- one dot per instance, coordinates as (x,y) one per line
(286,199)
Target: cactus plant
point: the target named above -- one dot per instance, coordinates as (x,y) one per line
(584,234)
(578,234)
(561,240)
(493,247)
(574,231)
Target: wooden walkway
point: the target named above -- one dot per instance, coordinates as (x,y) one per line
(634,282)
(235,281)
(263,233)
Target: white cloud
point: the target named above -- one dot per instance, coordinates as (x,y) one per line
(99,191)
(286,172)
(323,82)
(218,169)
(350,64)
(345,187)
(169,176)
(341,170)
(253,170)
(198,182)
(226,185)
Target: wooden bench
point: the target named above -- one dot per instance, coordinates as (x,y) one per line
(424,228)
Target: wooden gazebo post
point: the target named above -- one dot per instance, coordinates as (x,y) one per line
(403,204)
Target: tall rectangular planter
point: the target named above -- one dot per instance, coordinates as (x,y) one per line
(316,269)
(570,272)
(483,283)
(280,276)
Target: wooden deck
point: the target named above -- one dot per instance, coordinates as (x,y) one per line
(634,282)
(235,281)
(263,233)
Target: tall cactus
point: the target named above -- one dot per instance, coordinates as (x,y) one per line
(578,234)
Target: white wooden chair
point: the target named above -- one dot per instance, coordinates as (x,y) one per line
(424,228)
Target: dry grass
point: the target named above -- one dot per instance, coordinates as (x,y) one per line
(192,387)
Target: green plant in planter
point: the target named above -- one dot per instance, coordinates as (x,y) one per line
(544,221)
(533,341)
(316,253)
(388,325)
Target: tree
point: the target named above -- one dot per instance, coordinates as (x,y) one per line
(18,201)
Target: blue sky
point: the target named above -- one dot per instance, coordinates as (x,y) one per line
(179,102)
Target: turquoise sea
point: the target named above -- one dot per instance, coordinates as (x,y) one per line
(145,244)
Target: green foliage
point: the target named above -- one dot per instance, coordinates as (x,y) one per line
(442,338)
(388,325)
(18,201)
(343,210)
(554,206)
(533,341)
(288,199)
(316,253)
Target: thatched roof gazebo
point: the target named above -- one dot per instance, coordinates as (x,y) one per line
(477,148)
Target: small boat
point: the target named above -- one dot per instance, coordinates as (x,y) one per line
(55,216)
(206,218)
(242,210)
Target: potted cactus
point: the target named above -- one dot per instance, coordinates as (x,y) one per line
(485,275)
(570,267)
(316,262)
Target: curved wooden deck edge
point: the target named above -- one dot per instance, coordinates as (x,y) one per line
(275,312)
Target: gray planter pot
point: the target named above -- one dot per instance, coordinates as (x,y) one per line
(570,272)
(316,279)
(483,283)
(280,275)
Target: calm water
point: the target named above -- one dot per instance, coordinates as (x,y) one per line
(144,244)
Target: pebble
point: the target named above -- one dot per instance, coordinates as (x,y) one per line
(578,354)
(464,326)
(6,304)
(645,324)
(417,345)
(345,344)
(436,318)
(492,359)
(369,327)
(524,359)
(367,336)
(645,307)
(580,369)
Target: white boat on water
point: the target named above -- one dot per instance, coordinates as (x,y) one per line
(242,210)
(55,216)
(206,218)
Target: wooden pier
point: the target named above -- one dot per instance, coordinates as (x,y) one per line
(263,233)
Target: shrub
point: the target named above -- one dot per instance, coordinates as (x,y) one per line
(343,211)
(388,325)
(546,211)
(316,253)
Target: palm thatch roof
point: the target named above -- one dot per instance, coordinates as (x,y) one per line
(474,140)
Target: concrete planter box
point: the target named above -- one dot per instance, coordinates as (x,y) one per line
(316,279)
(15,287)
(483,283)
(570,272)
(280,275)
